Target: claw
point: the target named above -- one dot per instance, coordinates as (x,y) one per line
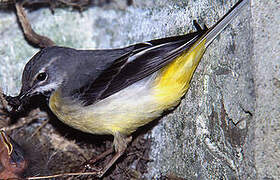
(198,27)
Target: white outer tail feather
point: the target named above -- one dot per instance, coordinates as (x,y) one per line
(214,31)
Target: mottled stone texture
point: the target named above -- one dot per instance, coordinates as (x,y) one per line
(266,60)
(227,125)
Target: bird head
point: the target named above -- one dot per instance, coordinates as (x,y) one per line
(45,73)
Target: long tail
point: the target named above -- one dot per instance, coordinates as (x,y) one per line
(212,33)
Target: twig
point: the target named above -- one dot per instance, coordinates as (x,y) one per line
(40,127)
(63,174)
(80,4)
(6,2)
(3,100)
(4,118)
(31,35)
(34,114)
(140,156)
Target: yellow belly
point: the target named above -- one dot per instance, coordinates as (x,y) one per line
(135,105)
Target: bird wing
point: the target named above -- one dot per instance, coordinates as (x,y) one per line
(146,58)
(143,60)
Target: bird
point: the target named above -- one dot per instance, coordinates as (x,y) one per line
(12,158)
(22,157)
(116,91)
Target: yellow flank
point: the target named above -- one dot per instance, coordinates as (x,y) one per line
(173,81)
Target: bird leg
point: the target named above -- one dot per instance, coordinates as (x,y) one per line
(120,143)
(101,156)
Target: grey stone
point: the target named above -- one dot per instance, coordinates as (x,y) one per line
(227,126)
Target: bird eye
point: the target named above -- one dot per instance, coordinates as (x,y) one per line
(42,76)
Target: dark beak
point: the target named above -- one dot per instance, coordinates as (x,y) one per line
(23,95)
(17,102)
(22,99)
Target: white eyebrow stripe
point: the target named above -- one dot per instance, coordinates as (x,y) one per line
(47,65)
(44,68)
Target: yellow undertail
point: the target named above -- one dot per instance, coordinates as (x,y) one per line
(174,80)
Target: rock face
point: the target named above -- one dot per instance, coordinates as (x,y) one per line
(227,125)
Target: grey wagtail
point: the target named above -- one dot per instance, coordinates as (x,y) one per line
(115,91)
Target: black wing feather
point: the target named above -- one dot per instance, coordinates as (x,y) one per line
(124,71)
(92,93)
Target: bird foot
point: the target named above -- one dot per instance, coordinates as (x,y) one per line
(89,165)
(91,168)
(120,143)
